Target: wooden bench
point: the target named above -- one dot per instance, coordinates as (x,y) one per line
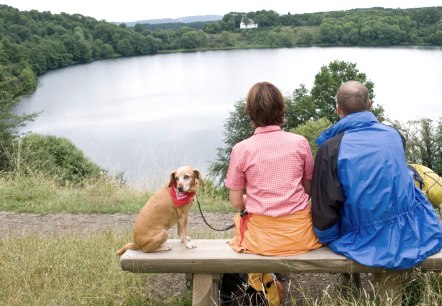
(213,257)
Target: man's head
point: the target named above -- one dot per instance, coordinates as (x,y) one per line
(265,105)
(352,97)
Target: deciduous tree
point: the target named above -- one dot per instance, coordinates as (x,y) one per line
(315,109)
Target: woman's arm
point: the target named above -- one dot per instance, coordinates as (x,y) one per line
(237,199)
(307,186)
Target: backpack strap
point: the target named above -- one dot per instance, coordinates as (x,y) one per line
(417,177)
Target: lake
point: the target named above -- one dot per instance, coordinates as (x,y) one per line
(147,115)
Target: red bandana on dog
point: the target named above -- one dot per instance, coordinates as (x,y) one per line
(180,198)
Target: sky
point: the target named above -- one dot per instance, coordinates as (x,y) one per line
(135,10)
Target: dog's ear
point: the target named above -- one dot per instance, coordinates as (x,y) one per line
(172,179)
(198,177)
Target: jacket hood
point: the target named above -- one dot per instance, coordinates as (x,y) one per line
(349,122)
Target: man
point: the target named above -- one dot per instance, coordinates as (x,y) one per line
(365,205)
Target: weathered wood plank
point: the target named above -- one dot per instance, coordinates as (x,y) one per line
(216,256)
(203,293)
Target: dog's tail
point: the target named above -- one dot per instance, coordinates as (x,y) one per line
(129,246)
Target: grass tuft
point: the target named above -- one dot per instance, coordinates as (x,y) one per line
(38,194)
(68,270)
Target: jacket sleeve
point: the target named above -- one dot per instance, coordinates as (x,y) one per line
(327,195)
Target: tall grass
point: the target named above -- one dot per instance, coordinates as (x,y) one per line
(37,193)
(419,288)
(49,174)
(69,270)
(83,270)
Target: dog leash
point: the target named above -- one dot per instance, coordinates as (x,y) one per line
(215,229)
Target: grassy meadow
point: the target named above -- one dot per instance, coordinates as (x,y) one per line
(67,270)
(39,194)
(78,269)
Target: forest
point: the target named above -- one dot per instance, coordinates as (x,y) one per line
(32,42)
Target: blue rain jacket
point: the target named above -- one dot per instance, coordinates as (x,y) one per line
(365,205)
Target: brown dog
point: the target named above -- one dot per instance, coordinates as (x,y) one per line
(168,206)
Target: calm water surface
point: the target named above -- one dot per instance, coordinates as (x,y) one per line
(147,115)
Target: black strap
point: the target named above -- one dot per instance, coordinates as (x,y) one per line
(215,229)
(417,177)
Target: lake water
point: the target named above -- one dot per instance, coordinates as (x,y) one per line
(147,115)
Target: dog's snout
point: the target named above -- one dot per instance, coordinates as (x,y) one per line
(180,188)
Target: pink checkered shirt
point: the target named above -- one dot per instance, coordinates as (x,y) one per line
(271,165)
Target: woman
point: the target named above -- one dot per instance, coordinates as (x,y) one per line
(274,169)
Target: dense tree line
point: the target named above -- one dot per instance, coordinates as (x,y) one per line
(376,26)
(33,42)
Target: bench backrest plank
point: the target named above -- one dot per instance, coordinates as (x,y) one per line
(216,256)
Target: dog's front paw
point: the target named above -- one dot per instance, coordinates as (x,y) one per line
(185,239)
(190,245)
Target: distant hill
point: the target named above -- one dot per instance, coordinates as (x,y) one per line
(189,19)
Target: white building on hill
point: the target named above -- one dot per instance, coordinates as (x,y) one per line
(247,23)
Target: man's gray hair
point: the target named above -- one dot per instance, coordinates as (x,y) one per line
(352,97)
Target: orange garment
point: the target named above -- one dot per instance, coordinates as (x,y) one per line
(268,285)
(275,236)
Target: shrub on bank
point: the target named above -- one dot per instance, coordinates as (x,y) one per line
(56,157)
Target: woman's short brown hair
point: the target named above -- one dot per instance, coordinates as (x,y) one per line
(265,105)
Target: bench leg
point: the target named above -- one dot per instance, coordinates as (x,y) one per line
(389,286)
(205,289)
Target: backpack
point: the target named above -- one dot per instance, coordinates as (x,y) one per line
(257,289)
(429,182)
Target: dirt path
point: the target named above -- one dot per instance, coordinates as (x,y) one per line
(12,223)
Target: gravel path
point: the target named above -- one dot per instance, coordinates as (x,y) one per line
(12,223)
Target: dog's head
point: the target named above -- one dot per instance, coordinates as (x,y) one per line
(186,179)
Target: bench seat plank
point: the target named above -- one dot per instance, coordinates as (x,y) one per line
(216,256)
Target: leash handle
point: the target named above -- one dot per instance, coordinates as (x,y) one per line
(205,221)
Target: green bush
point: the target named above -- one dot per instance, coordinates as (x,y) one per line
(311,130)
(212,191)
(54,156)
